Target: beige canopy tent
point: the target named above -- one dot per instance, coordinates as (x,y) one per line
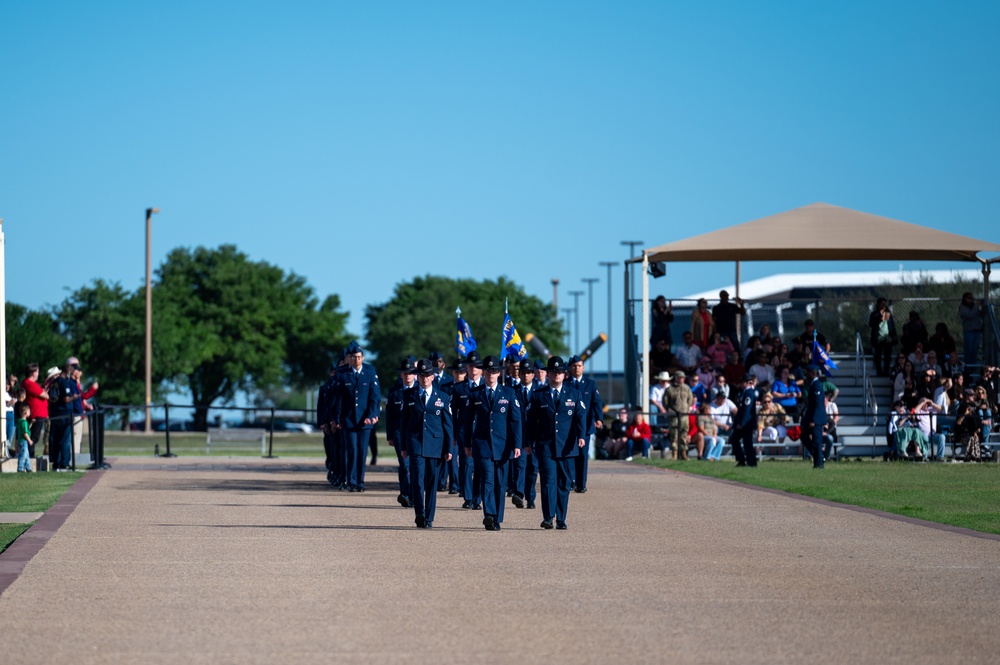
(817,232)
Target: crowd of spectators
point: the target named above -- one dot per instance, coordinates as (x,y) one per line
(45,415)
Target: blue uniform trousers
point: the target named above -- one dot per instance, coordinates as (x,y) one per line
(556,473)
(423,485)
(527,473)
(448,477)
(404,473)
(471,481)
(742,443)
(812,440)
(580,467)
(494,475)
(356,442)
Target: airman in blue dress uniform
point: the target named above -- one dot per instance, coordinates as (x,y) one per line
(493,436)
(358,405)
(557,425)
(745,424)
(394,424)
(426,435)
(526,465)
(814,416)
(595,410)
(325,408)
(444,382)
(469,480)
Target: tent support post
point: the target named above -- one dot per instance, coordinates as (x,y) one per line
(644,375)
(988,341)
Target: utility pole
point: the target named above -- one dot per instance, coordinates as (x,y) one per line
(576,311)
(149,318)
(609,265)
(590,305)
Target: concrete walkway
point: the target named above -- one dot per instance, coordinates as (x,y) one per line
(260,561)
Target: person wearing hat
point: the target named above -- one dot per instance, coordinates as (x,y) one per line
(525,466)
(511,378)
(541,374)
(814,417)
(358,403)
(745,424)
(493,437)
(469,484)
(557,427)
(451,469)
(656,398)
(394,424)
(324,415)
(595,412)
(443,380)
(678,401)
(426,436)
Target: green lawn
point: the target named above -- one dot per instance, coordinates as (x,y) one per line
(29,493)
(965,495)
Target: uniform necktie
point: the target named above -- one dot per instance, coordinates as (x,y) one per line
(427,397)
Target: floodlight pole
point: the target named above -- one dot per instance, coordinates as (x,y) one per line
(609,265)
(567,311)
(149,319)
(590,305)
(576,318)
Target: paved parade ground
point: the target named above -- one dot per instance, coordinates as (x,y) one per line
(260,561)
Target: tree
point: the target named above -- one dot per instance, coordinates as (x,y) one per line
(420,318)
(33,337)
(249,325)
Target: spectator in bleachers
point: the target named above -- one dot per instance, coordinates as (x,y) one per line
(914,332)
(639,435)
(971,314)
(942,397)
(932,362)
(661,358)
(953,366)
(764,334)
(829,387)
(883,336)
(808,335)
(780,357)
(918,358)
(718,351)
(688,354)
(897,418)
(656,398)
(753,348)
(771,419)
(726,316)
(706,375)
(786,393)
(925,416)
(927,385)
(957,391)
(898,367)
(722,410)
(698,388)
(617,441)
(832,418)
(706,437)
(721,386)
(714,442)
(763,372)
(986,411)
(941,342)
(799,356)
(702,326)
(968,426)
(908,374)
(910,396)
(734,370)
(662,317)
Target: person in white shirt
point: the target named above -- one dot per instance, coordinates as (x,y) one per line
(688,354)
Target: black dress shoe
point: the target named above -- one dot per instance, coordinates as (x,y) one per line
(546,524)
(496,527)
(352,489)
(531,505)
(489,523)
(421,522)
(477,506)
(453,491)
(561,526)
(517,500)
(429,525)
(373,462)
(442,488)
(741,464)
(467,505)
(582,491)
(403,501)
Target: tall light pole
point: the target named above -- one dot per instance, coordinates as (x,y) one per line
(149,317)
(555,294)
(609,265)
(576,312)
(567,312)
(632,244)
(590,305)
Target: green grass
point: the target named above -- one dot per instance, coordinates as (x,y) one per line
(29,493)
(965,495)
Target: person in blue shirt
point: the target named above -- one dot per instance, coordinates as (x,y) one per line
(557,429)
(527,465)
(358,404)
(493,438)
(66,405)
(444,381)
(786,392)
(591,398)
(814,416)
(426,437)
(394,425)
(745,424)
(325,408)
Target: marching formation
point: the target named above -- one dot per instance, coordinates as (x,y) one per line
(486,430)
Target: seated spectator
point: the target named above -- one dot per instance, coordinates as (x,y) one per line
(764,335)
(907,375)
(910,396)
(942,397)
(900,365)
(968,426)
(925,418)
(722,410)
(661,358)
(986,411)
(734,370)
(932,363)
(927,385)
(953,366)
(708,442)
(702,325)
(799,356)
(638,434)
(941,342)
(914,332)
(832,418)
(718,351)
(780,357)
(829,388)
(688,354)
(957,391)
(771,420)
(763,372)
(721,386)
(706,375)
(753,348)
(897,418)
(787,393)
(698,388)
(918,358)
(617,441)
(809,334)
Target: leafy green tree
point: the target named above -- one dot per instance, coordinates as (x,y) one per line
(33,337)
(420,318)
(249,325)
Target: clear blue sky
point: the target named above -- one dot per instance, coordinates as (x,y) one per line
(361,144)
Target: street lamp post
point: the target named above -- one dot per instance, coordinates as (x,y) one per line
(609,265)
(590,305)
(576,315)
(149,318)
(555,293)
(568,312)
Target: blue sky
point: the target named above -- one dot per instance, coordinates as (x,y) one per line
(361,144)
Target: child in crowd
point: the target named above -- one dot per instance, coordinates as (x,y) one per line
(23,439)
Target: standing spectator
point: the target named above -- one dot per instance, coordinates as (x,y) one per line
(24,442)
(678,401)
(808,335)
(66,406)
(883,336)
(726,314)
(638,433)
(971,314)
(662,317)
(914,332)
(702,326)
(85,395)
(38,402)
(656,397)
(10,399)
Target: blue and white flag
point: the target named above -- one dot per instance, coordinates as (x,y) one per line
(821,359)
(511,342)
(465,343)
